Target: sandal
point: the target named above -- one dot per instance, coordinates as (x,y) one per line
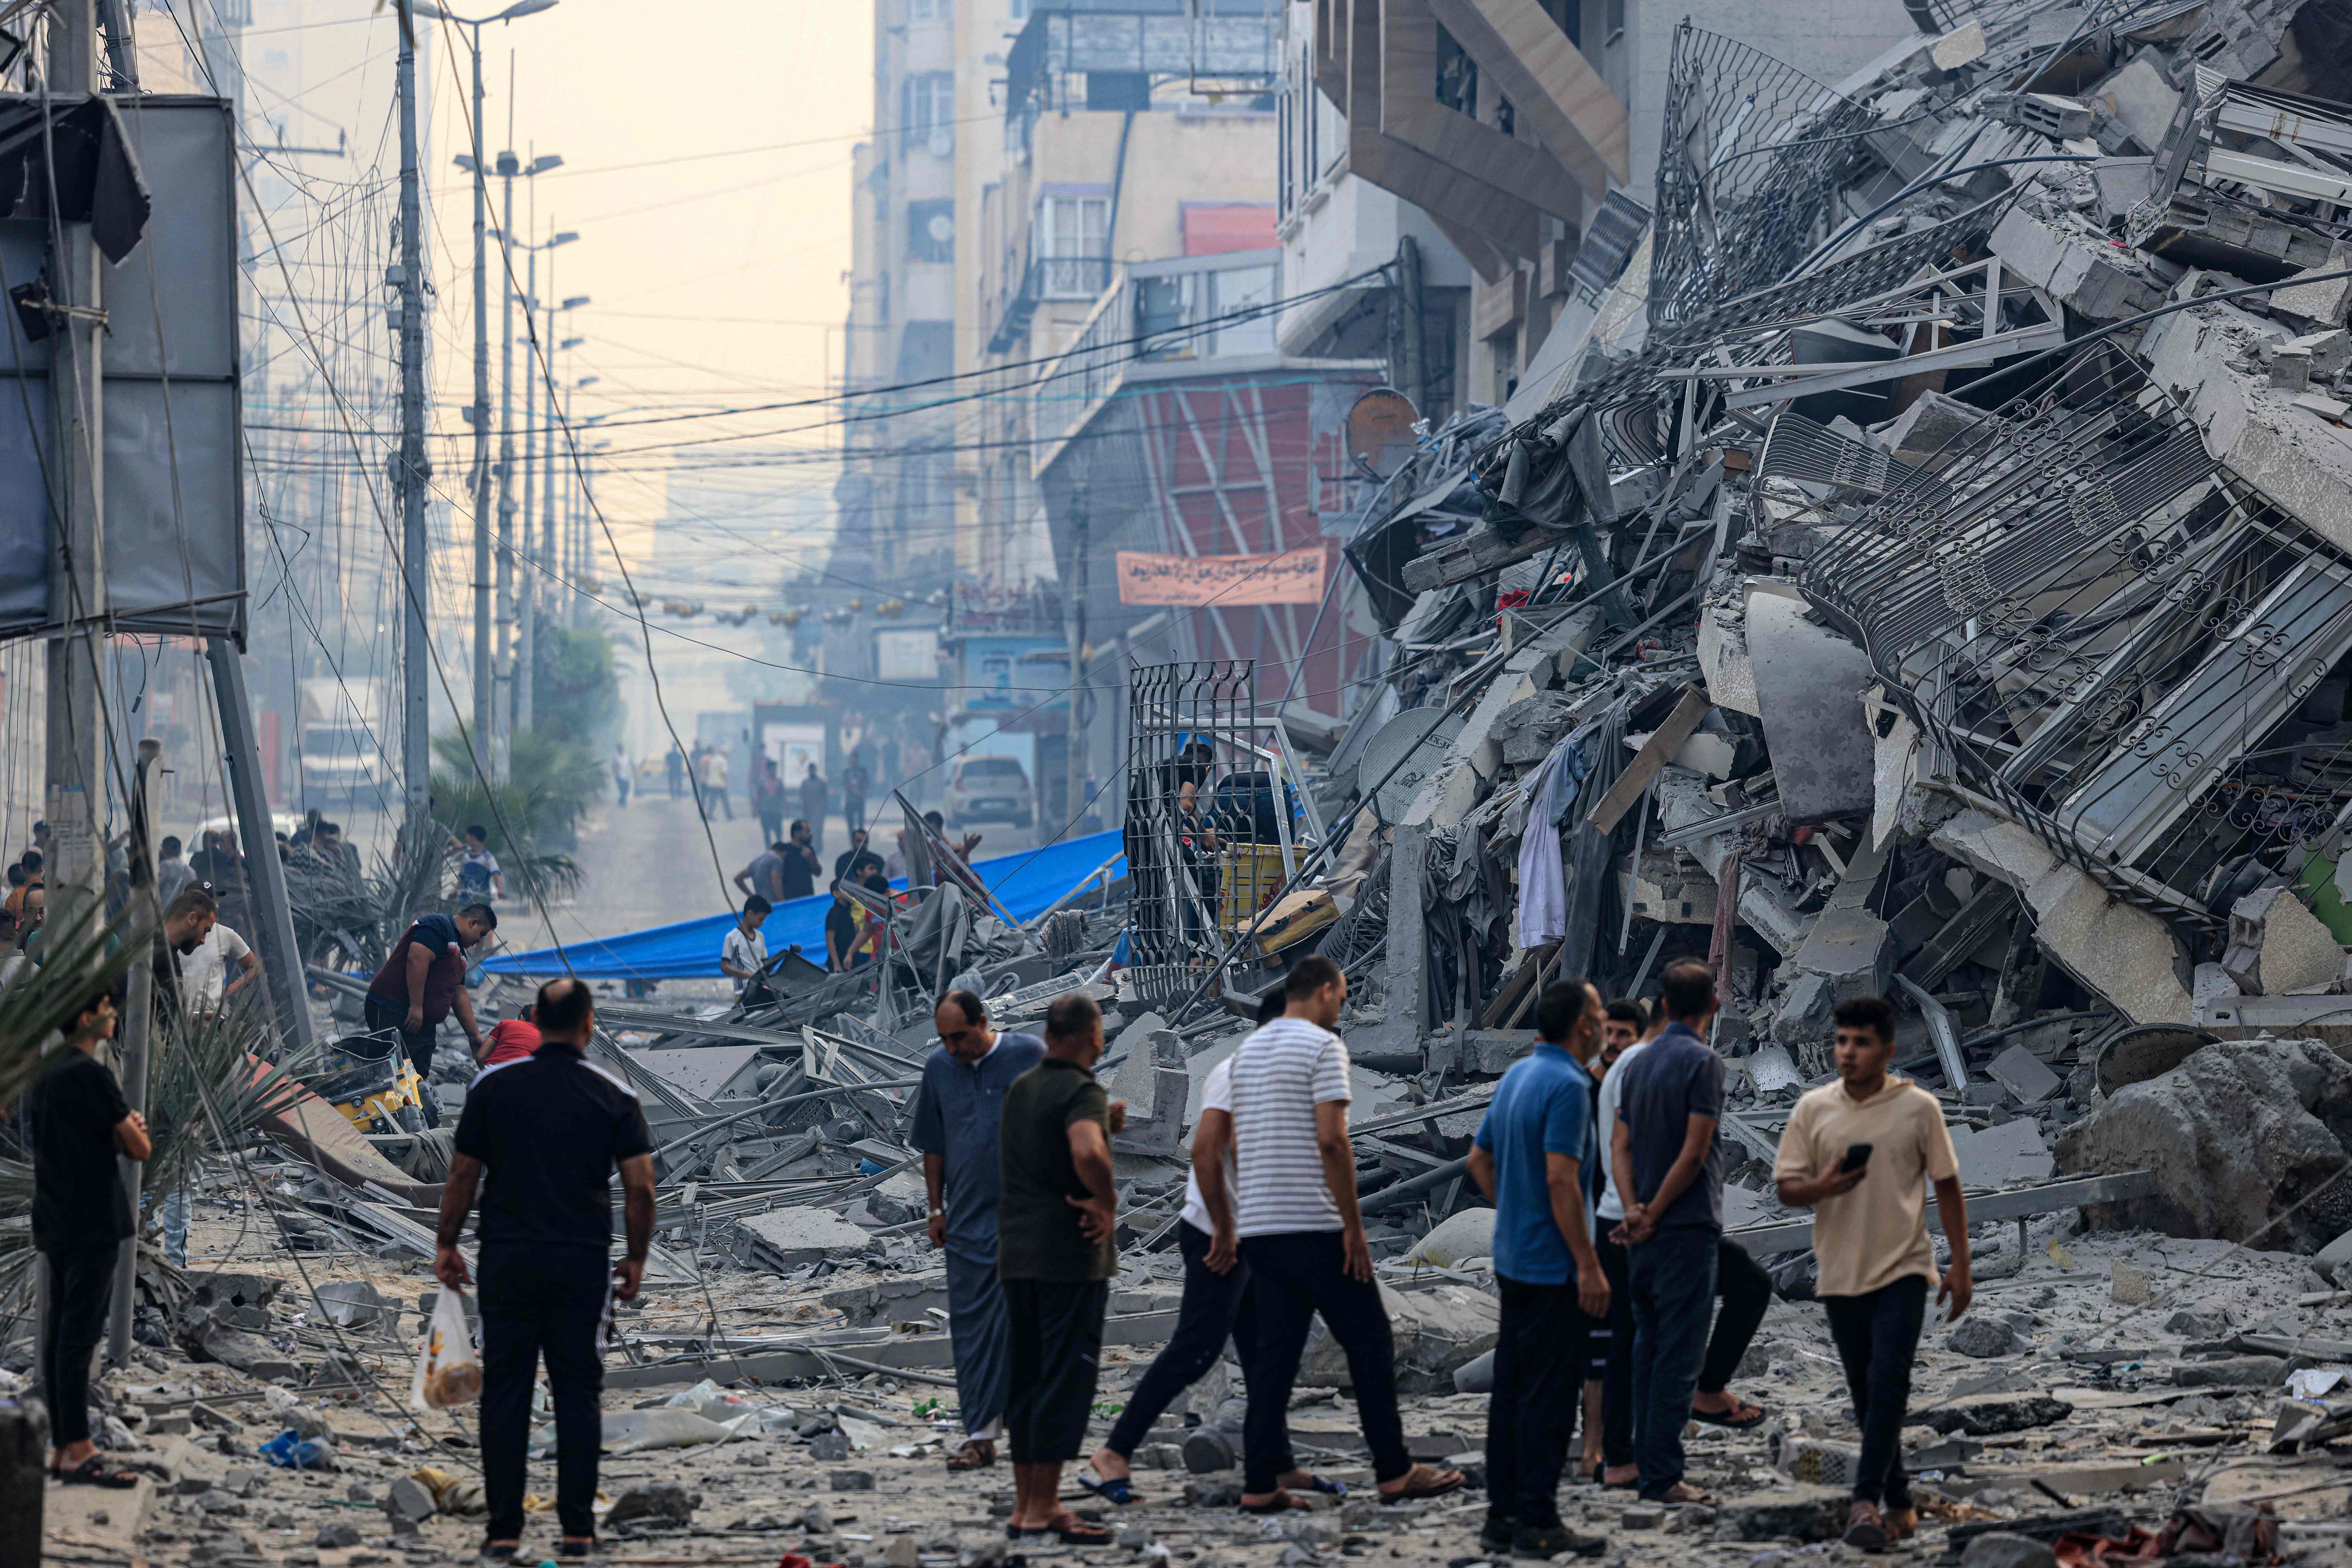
(1432,1483)
(92,1472)
(1067,1527)
(1329,1489)
(1118,1491)
(1280,1502)
(1739,1418)
(977,1454)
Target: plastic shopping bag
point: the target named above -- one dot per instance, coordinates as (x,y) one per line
(447,1371)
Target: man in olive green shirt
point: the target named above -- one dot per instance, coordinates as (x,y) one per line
(1055,1257)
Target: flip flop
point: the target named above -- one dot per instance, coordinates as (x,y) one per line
(1067,1527)
(968,1457)
(1739,1418)
(1413,1493)
(1116,1491)
(1280,1502)
(92,1472)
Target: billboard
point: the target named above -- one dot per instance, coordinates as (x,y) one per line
(1015,675)
(907,653)
(1295,578)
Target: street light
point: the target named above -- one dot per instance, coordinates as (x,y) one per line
(518,593)
(472,163)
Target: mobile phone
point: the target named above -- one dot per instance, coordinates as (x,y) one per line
(1857,1156)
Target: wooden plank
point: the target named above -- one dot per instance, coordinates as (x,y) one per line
(1663,743)
(2015,1202)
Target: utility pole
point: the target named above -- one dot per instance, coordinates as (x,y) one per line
(550,551)
(417,694)
(1075,769)
(265,876)
(525,591)
(502,709)
(75,783)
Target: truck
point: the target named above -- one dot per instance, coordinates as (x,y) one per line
(346,741)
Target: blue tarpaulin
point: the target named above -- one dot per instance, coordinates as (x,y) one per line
(1027,884)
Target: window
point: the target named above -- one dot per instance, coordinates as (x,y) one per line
(1616,28)
(929,116)
(929,10)
(930,230)
(1072,245)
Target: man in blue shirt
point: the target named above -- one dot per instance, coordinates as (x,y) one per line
(958,1111)
(1534,1158)
(1669,1168)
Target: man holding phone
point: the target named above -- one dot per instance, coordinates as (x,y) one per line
(1857,1153)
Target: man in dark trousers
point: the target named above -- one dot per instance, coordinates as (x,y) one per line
(1856,1153)
(1669,1168)
(959,1112)
(1055,1258)
(421,981)
(1532,1157)
(547,1129)
(81,1215)
(854,782)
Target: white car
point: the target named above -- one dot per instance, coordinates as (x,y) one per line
(989,789)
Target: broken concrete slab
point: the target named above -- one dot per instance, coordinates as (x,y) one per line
(2123,952)
(2024,1075)
(2237,1136)
(2077,268)
(790,1237)
(1435,1332)
(1809,682)
(2278,948)
(1724,661)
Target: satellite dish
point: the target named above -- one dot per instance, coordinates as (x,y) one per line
(1379,430)
(943,142)
(1408,737)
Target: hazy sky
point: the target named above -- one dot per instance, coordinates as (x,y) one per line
(706,151)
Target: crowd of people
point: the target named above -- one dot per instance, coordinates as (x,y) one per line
(1625,1308)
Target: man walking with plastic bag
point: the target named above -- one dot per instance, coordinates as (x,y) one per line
(547,1129)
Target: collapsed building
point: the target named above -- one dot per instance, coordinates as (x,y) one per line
(1919,563)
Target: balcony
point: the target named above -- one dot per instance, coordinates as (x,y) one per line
(1048,278)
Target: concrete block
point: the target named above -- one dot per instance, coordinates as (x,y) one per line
(2024,1075)
(1468,1235)
(2139,97)
(2330,352)
(2122,185)
(1809,681)
(1787,1513)
(1927,434)
(2069,267)
(2323,304)
(2278,948)
(1995,1414)
(1961,45)
(790,1237)
(1724,661)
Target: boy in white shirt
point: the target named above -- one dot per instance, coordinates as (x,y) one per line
(746,950)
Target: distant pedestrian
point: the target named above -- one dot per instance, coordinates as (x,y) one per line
(765,874)
(1056,1256)
(845,932)
(1218,1303)
(768,797)
(1669,1169)
(814,798)
(1303,1238)
(714,783)
(422,982)
(854,783)
(744,955)
(479,873)
(548,1131)
(172,872)
(78,1122)
(849,856)
(674,765)
(32,864)
(801,868)
(1534,1154)
(624,775)
(957,1112)
(1856,1153)
(1607,1387)
(206,986)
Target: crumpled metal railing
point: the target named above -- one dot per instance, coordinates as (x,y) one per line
(2114,640)
(1748,168)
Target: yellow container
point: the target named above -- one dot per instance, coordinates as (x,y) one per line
(1248,877)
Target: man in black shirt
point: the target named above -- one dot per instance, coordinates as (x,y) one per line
(549,1129)
(81,1215)
(1054,1253)
(842,862)
(801,868)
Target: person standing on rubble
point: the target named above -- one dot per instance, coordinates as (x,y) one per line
(1217,1304)
(79,1122)
(548,1129)
(1294,1212)
(1856,1152)
(797,878)
(421,981)
(958,1110)
(815,797)
(1054,1255)
(1533,1156)
(1669,1170)
(1621,1023)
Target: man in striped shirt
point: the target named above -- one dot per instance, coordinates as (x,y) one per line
(1293,1211)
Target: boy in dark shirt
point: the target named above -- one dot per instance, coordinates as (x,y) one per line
(1054,1253)
(80,1217)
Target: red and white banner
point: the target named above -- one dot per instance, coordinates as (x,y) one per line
(1295,578)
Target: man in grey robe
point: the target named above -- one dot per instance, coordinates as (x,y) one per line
(957,1111)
